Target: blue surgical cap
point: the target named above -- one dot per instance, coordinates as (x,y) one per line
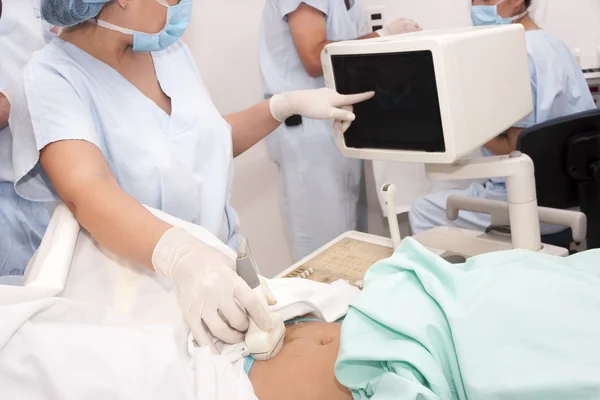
(70,12)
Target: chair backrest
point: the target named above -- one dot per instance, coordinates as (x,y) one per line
(547,144)
(566,155)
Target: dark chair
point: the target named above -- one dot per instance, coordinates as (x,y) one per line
(566,155)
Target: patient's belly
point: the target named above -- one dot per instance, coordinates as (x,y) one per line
(303,370)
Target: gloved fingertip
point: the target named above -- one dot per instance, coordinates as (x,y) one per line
(359,98)
(271,300)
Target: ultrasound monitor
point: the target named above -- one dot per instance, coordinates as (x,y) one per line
(438,94)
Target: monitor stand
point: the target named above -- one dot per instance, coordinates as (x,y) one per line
(350,255)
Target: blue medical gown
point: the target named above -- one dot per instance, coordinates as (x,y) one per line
(559,89)
(22,222)
(181,163)
(22,226)
(503,326)
(322,192)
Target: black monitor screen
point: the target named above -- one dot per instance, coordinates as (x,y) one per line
(405,112)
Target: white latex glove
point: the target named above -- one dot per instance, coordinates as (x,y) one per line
(316,104)
(208,289)
(342,126)
(399,26)
(271,300)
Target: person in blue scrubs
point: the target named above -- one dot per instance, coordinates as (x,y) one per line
(321,192)
(22,222)
(108,118)
(559,89)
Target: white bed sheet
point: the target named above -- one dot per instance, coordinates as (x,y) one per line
(88,324)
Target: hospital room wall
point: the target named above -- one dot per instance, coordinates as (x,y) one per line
(430,14)
(576,22)
(223,37)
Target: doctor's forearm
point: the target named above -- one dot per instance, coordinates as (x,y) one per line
(313,66)
(505,143)
(371,35)
(84,182)
(4,110)
(118,222)
(499,146)
(308,27)
(250,126)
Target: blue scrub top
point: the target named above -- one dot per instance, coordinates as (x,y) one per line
(557,83)
(281,66)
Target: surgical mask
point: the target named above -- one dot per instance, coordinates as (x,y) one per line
(488,15)
(178,19)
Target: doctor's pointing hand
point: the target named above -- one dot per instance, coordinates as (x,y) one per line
(118,116)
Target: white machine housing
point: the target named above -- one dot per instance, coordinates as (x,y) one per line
(482,78)
(438,96)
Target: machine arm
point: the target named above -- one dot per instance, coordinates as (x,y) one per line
(517,168)
(499,211)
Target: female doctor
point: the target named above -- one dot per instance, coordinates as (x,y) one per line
(110,117)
